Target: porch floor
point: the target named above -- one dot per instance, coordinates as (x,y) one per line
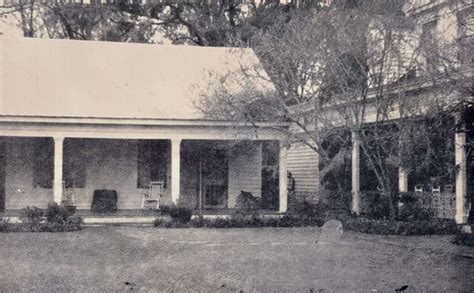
(143,213)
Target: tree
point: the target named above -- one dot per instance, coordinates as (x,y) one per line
(202,23)
(53,19)
(359,68)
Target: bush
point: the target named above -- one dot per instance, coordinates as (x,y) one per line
(180,214)
(59,214)
(462,238)
(387,227)
(315,214)
(375,205)
(169,224)
(336,200)
(55,219)
(240,221)
(412,209)
(247,203)
(32,215)
(4,225)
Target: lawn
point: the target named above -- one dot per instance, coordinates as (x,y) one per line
(228,260)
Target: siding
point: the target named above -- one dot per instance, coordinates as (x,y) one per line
(302,162)
(245,171)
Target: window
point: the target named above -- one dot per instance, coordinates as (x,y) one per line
(428,32)
(43,163)
(152,160)
(428,44)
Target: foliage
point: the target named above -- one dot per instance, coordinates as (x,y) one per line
(391,227)
(202,23)
(335,201)
(247,203)
(307,214)
(56,218)
(43,227)
(59,214)
(241,221)
(462,238)
(32,215)
(412,209)
(165,209)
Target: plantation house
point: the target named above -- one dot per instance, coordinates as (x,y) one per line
(78,117)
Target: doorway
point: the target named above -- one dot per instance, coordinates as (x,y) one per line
(214,176)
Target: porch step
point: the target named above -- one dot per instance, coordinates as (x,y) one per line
(117,220)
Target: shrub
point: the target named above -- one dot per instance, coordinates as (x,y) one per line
(169,224)
(336,200)
(247,203)
(314,214)
(240,221)
(375,205)
(59,214)
(56,218)
(387,227)
(412,208)
(32,215)
(165,210)
(180,214)
(4,225)
(462,238)
(308,210)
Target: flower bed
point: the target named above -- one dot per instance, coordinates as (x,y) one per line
(56,218)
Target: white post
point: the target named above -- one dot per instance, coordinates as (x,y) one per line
(175,170)
(461,171)
(58,169)
(356,173)
(402,179)
(283,180)
(402,171)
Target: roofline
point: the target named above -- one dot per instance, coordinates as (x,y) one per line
(124,44)
(134,121)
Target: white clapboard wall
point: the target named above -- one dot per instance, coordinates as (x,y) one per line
(302,162)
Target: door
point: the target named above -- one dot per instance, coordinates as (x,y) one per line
(2,175)
(214,178)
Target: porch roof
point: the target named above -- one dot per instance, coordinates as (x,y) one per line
(134,121)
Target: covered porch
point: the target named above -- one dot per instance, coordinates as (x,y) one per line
(201,165)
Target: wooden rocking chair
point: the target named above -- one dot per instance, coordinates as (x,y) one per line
(151,199)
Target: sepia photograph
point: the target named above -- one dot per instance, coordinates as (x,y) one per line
(237,146)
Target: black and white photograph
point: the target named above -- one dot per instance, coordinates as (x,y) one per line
(237,146)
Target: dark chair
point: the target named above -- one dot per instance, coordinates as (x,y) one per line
(104,201)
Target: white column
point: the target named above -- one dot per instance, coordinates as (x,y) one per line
(58,169)
(402,179)
(461,172)
(283,180)
(356,173)
(402,171)
(175,169)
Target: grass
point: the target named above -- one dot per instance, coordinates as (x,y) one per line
(229,260)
